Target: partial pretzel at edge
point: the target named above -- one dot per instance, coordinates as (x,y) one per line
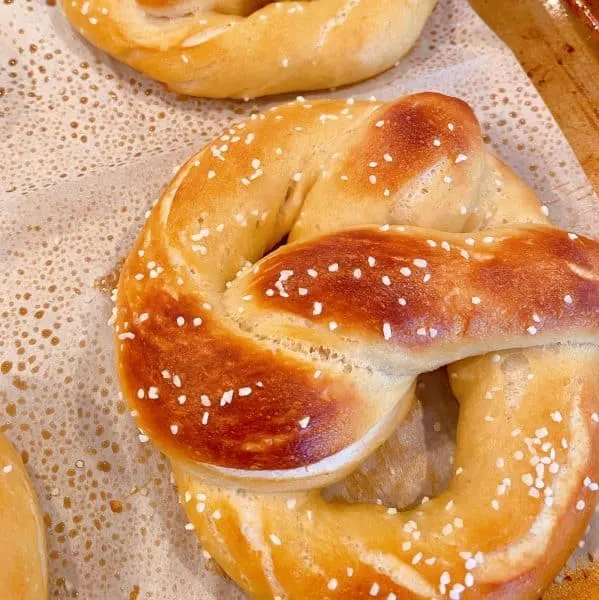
(197,49)
(23,573)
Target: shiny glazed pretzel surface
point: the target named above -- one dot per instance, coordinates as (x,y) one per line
(248,48)
(265,379)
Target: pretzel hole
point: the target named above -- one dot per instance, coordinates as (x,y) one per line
(173,9)
(289,212)
(417,460)
(282,242)
(290,206)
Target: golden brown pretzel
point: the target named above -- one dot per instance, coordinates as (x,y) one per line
(23,573)
(248,48)
(291,374)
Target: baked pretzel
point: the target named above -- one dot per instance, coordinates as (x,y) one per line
(23,572)
(248,48)
(264,379)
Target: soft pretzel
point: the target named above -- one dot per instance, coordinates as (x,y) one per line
(280,374)
(248,48)
(23,574)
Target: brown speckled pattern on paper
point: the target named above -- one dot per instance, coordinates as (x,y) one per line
(87,146)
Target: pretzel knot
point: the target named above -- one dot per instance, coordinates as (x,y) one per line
(248,48)
(281,372)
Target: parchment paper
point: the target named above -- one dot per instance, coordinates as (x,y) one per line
(87,145)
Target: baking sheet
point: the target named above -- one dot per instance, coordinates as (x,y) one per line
(87,146)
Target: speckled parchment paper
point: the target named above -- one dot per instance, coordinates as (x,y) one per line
(87,145)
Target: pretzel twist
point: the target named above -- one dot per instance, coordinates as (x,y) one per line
(249,48)
(281,374)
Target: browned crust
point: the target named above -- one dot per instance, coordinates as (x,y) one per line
(521,281)
(517,275)
(259,431)
(409,128)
